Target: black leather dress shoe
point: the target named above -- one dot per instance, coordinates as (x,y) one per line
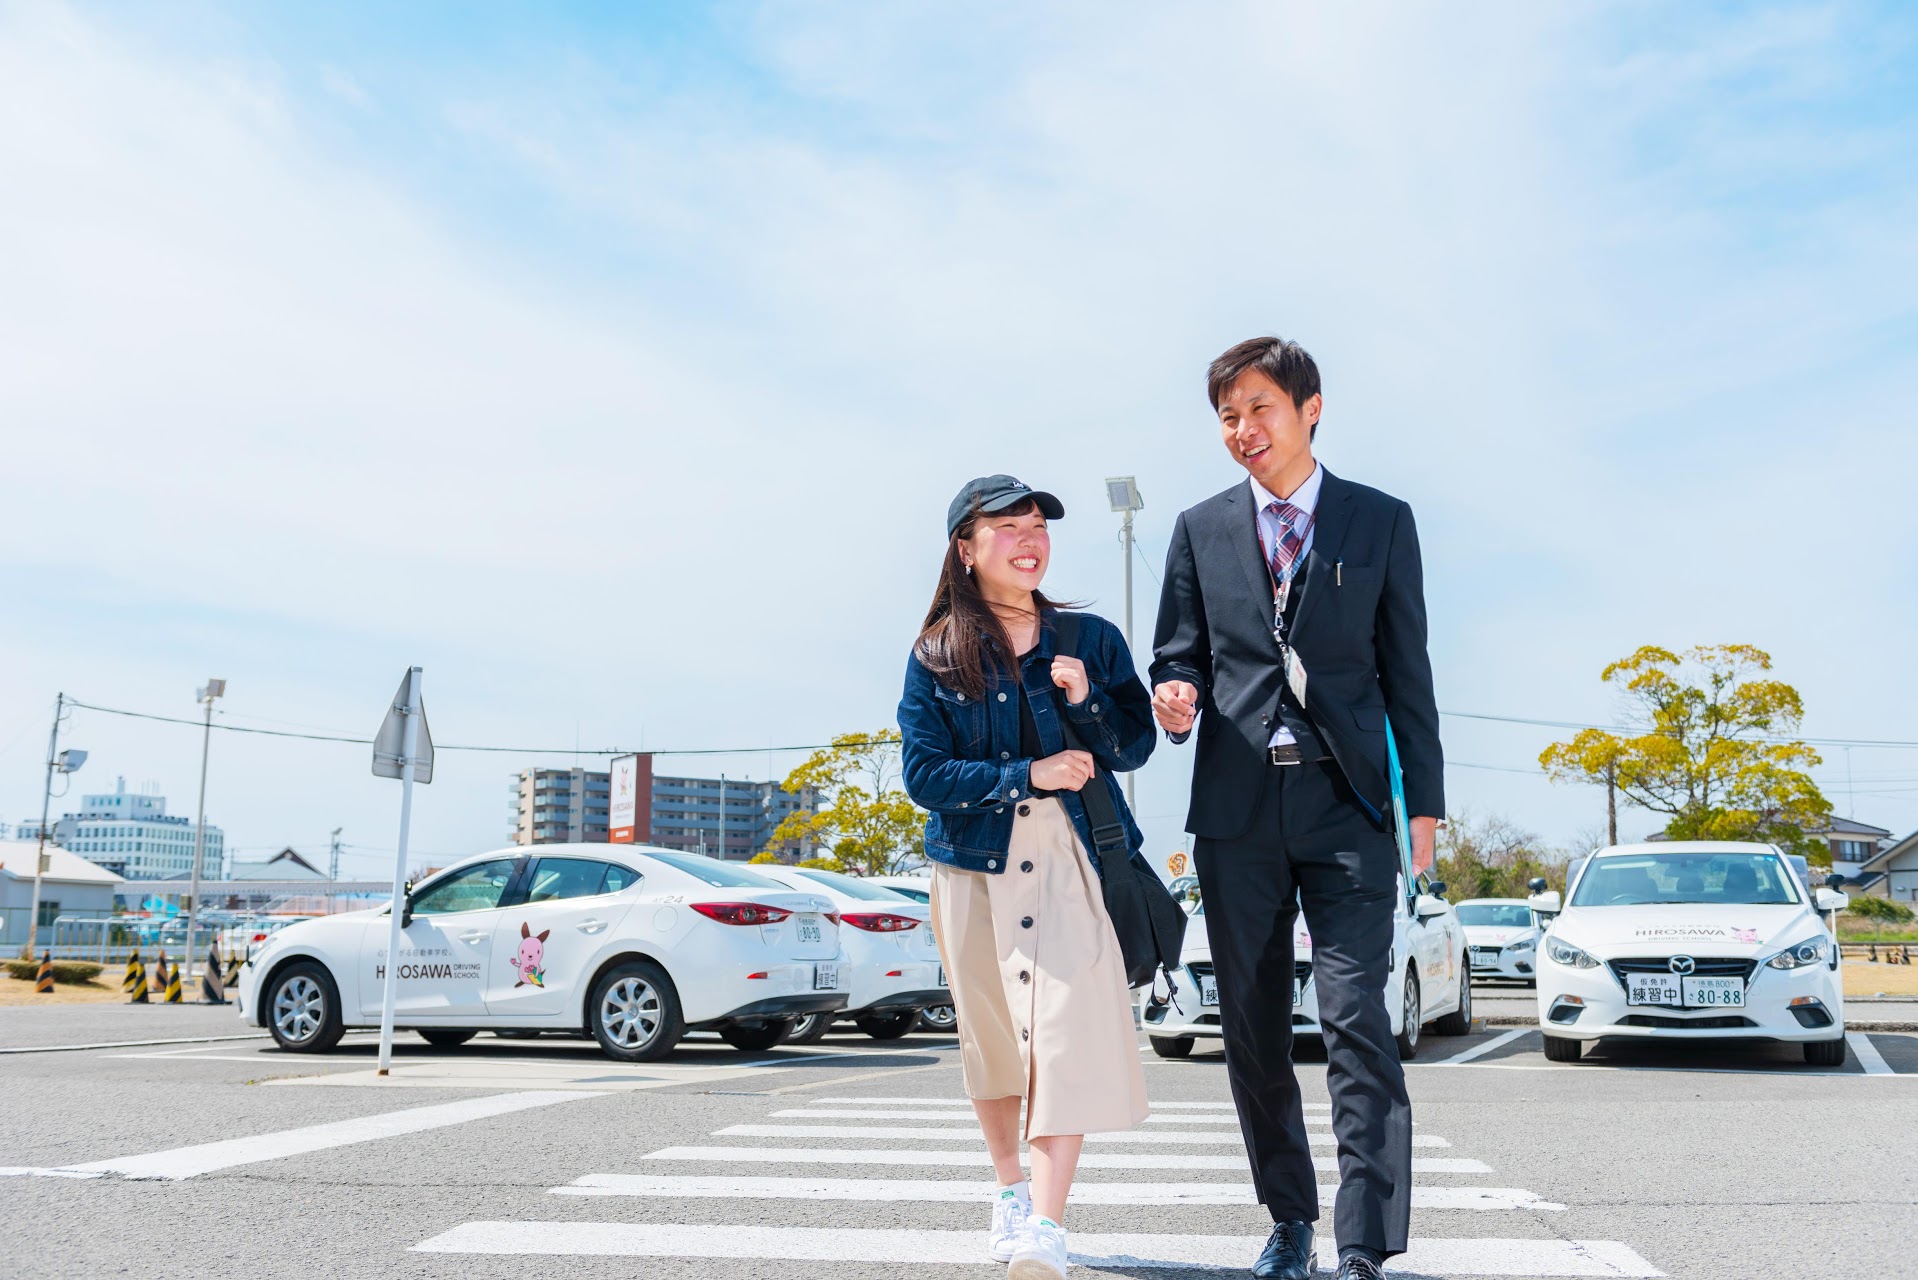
(1288,1255)
(1359,1268)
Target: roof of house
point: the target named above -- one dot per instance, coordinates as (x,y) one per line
(284,865)
(1838,826)
(17,856)
(1881,860)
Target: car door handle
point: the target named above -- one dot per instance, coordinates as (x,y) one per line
(473,937)
(590,926)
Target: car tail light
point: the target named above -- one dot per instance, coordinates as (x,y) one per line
(880,921)
(740,912)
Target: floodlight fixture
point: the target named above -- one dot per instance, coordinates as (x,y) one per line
(1123,493)
(70,760)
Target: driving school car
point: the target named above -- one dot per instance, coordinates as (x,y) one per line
(1692,940)
(1428,980)
(1501,937)
(631,944)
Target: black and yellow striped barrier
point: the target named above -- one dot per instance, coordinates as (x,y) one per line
(173,992)
(44,983)
(233,963)
(136,978)
(212,986)
(156,979)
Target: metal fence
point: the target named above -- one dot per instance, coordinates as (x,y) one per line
(111,940)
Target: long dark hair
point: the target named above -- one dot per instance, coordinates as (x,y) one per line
(963,639)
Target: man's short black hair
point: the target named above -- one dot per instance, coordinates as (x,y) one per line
(1283,361)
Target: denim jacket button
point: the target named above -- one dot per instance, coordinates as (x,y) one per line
(1014,793)
(962,697)
(964,805)
(992,864)
(1005,755)
(1095,708)
(1002,697)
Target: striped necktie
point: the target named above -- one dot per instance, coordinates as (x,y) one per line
(1286,548)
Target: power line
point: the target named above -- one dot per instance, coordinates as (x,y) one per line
(1616,728)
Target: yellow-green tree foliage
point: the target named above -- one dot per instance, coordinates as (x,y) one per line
(866,824)
(1703,748)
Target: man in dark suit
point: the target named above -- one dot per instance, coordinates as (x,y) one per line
(1291,624)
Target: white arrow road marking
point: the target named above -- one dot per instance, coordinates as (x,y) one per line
(677,1186)
(190,1162)
(1868,1056)
(1441,1257)
(965,1135)
(981,1160)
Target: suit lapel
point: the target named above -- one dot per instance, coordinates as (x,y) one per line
(1328,542)
(1242,537)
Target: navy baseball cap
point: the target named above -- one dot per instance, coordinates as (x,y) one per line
(992,494)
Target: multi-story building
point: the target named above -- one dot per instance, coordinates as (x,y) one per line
(1852,844)
(132,835)
(553,806)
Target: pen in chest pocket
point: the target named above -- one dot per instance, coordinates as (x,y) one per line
(1338,574)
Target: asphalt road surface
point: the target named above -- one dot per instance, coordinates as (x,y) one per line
(854,1158)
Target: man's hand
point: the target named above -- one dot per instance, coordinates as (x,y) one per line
(1175,705)
(1424,841)
(1070,674)
(1067,771)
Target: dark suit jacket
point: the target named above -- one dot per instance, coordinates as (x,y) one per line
(1359,629)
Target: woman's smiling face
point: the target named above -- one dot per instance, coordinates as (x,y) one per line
(1008,553)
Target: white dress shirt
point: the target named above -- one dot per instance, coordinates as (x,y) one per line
(1306,499)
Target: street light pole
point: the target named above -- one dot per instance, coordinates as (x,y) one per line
(1123,493)
(46,803)
(207,693)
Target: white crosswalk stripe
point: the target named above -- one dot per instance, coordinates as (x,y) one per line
(1134,1137)
(941,1134)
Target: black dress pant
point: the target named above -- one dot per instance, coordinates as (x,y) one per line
(1310,845)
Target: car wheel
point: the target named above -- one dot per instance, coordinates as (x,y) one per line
(941,1018)
(810,1029)
(888,1028)
(1563,1049)
(1459,1021)
(1172,1046)
(1408,1037)
(762,1035)
(447,1039)
(1825,1053)
(303,1009)
(634,1012)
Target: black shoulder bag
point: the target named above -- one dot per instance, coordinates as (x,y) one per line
(1149,922)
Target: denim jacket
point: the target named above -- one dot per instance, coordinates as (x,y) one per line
(961,757)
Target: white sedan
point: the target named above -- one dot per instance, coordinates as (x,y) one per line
(892,959)
(1691,940)
(630,944)
(1501,936)
(1428,982)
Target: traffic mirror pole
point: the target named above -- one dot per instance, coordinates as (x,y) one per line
(406,722)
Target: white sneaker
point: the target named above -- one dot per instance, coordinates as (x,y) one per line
(1009,1213)
(1040,1253)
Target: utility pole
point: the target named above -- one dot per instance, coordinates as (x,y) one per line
(722,817)
(58,761)
(1122,492)
(333,870)
(1611,803)
(207,693)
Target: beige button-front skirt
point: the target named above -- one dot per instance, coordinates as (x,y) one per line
(1038,983)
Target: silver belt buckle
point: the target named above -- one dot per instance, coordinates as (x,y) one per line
(1288,753)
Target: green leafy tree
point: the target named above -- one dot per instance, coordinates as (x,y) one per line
(1708,746)
(865,824)
(1492,857)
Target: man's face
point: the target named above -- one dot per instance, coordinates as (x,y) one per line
(1265,432)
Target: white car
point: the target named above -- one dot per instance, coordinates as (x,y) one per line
(892,958)
(940,1017)
(1428,981)
(1501,937)
(1691,940)
(630,944)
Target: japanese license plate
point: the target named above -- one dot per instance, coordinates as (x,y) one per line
(1298,993)
(1713,993)
(1208,989)
(825,977)
(942,977)
(1484,956)
(810,930)
(1653,988)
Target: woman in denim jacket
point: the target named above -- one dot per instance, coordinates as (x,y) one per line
(1037,979)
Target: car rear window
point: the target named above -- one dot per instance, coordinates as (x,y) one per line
(712,871)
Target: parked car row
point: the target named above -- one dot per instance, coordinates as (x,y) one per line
(631,944)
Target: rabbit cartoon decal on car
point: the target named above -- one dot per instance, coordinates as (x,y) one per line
(530,959)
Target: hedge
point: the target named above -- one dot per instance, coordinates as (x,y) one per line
(70,972)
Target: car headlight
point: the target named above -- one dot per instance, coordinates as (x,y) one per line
(1565,953)
(1810,951)
(1523,944)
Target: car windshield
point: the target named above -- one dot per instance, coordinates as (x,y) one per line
(1754,879)
(1498,915)
(853,887)
(713,872)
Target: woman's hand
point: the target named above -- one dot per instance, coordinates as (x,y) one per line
(1067,771)
(1070,674)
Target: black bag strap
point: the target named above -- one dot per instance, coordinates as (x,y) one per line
(1108,832)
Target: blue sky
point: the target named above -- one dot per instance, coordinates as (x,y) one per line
(616,364)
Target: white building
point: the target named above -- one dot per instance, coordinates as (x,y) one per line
(132,835)
(70,886)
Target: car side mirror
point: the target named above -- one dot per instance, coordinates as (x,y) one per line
(1436,888)
(1834,881)
(1828,900)
(1431,911)
(406,912)
(1536,884)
